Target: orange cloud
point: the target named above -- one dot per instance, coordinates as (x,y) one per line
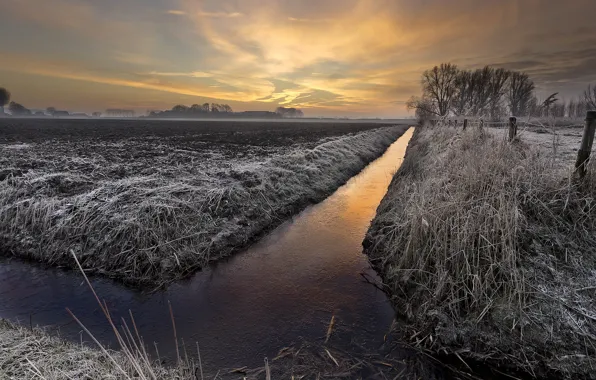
(68,70)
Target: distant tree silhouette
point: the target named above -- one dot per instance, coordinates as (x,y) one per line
(519,94)
(51,111)
(220,108)
(195,108)
(4,98)
(180,108)
(557,109)
(590,98)
(18,109)
(289,112)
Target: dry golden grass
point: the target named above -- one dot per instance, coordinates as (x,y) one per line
(488,249)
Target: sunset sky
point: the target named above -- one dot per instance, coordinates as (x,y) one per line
(328,57)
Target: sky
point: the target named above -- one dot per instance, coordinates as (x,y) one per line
(354,58)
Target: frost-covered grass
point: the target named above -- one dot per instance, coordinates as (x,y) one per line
(558,137)
(33,354)
(146,211)
(488,249)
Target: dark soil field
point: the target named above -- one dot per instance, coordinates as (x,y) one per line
(262,133)
(151,201)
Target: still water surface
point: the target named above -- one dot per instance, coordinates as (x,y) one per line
(282,290)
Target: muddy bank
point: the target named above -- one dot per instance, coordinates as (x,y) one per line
(488,251)
(154,227)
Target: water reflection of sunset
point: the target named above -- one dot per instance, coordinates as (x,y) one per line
(361,201)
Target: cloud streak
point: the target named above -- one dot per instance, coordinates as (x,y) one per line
(331,56)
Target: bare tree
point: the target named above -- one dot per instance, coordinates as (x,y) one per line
(482,92)
(425,108)
(498,80)
(438,85)
(4,98)
(520,93)
(590,97)
(464,93)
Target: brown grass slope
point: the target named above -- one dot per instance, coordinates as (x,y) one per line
(155,228)
(488,250)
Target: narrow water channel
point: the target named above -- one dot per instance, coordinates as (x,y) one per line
(284,289)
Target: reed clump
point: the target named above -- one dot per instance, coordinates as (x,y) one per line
(488,250)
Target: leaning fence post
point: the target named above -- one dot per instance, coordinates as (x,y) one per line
(583,155)
(512,128)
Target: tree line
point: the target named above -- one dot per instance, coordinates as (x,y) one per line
(491,93)
(17,109)
(195,110)
(291,113)
(14,107)
(224,110)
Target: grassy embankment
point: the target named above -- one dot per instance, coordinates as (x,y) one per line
(154,228)
(488,250)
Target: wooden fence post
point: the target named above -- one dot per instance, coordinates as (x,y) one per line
(465,124)
(583,155)
(512,128)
